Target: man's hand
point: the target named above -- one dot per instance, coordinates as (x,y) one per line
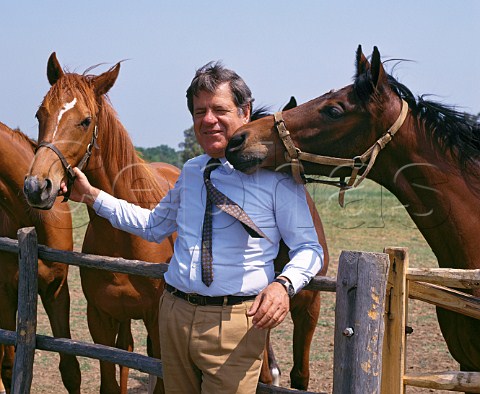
(82,191)
(270,307)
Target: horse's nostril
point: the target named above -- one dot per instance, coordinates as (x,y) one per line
(30,185)
(46,188)
(237,141)
(48,184)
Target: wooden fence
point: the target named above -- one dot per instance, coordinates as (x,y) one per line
(432,286)
(370,318)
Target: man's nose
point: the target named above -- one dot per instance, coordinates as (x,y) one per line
(210,117)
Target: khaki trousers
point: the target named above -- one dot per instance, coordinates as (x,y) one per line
(209,349)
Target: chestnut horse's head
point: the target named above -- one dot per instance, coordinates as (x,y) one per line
(343,124)
(67,131)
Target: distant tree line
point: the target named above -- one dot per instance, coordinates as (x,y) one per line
(188,148)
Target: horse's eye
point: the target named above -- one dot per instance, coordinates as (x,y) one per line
(333,112)
(86,122)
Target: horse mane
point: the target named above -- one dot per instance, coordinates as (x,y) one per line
(119,154)
(19,135)
(260,112)
(456,131)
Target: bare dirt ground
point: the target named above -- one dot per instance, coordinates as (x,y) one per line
(362,229)
(426,349)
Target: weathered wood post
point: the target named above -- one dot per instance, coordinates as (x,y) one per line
(394,341)
(27,310)
(359,322)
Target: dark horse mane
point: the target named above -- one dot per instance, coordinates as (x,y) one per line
(260,112)
(457,132)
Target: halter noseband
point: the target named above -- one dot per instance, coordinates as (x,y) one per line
(294,155)
(68,168)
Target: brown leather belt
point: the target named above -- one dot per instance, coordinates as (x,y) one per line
(197,299)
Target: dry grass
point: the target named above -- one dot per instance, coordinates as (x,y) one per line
(371,221)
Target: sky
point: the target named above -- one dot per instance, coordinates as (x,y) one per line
(281,48)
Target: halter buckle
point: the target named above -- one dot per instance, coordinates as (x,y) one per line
(357,162)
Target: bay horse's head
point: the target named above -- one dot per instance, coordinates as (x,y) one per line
(67,130)
(344,124)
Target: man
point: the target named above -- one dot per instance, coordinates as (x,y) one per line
(220,295)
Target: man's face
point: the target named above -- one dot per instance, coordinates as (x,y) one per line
(215,119)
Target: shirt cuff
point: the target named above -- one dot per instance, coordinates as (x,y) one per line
(104,205)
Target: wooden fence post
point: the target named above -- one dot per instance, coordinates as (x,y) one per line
(359,322)
(27,310)
(393,364)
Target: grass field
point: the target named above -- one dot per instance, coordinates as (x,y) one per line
(371,220)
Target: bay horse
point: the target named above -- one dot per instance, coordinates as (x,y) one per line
(425,153)
(54,229)
(79,127)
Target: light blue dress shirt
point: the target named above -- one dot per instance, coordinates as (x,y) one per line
(242,265)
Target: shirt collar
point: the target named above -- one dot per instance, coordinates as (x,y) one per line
(226,167)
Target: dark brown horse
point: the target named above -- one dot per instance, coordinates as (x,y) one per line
(54,228)
(425,153)
(77,123)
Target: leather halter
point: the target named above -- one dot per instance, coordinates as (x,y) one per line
(294,155)
(68,168)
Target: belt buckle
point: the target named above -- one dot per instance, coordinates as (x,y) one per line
(192,299)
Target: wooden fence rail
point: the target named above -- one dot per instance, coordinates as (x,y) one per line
(372,291)
(432,286)
(26,340)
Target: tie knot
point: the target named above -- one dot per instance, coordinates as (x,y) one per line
(211,165)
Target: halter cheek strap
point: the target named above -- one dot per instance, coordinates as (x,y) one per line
(294,155)
(292,152)
(68,168)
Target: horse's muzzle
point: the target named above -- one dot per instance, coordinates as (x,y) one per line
(39,194)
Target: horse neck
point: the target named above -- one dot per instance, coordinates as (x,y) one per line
(115,164)
(429,183)
(15,156)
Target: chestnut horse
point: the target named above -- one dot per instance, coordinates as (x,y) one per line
(429,161)
(54,228)
(77,121)
(78,125)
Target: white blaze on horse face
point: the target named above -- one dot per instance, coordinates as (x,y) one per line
(65,108)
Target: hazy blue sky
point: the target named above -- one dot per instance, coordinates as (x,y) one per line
(281,48)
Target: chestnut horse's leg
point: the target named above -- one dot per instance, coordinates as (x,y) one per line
(56,301)
(2,387)
(8,312)
(7,358)
(104,330)
(305,310)
(154,350)
(125,342)
(270,371)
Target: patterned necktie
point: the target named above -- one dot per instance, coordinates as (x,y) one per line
(215,196)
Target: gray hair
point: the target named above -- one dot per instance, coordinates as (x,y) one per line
(211,76)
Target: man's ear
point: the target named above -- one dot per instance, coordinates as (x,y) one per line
(247,112)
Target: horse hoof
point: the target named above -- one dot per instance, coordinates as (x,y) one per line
(275,376)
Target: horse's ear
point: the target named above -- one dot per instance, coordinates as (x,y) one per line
(54,70)
(104,82)
(379,76)
(362,63)
(291,104)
